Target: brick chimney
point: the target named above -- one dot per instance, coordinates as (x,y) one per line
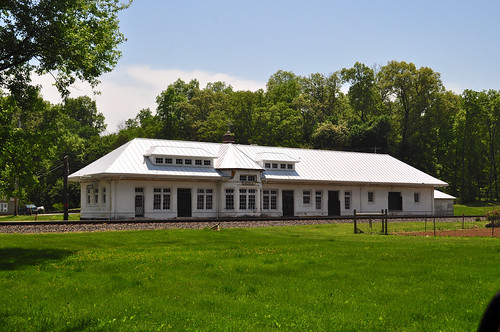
(228,137)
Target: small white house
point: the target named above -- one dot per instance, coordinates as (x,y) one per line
(164,179)
(443,203)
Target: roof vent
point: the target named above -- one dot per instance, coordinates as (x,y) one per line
(228,137)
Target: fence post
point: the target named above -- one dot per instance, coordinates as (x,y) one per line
(425,223)
(493,227)
(434,220)
(355,228)
(383,221)
(463,220)
(385,215)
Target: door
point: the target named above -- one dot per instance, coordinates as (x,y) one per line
(287,200)
(184,202)
(395,201)
(139,202)
(333,203)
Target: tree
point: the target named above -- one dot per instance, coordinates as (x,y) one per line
(170,108)
(412,93)
(74,39)
(330,136)
(363,94)
(320,101)
(83,117)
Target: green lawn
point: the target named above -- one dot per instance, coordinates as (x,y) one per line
(475,209)
(293,278)
(40,217)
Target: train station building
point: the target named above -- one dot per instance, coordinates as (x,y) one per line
(166,179)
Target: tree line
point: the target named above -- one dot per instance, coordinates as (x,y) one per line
(397,109)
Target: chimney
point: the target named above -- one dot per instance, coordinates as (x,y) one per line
(228,137)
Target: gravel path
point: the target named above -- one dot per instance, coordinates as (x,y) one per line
(45,227)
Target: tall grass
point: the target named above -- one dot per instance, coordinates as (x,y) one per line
(294,278)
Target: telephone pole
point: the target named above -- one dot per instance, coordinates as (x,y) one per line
(65,187)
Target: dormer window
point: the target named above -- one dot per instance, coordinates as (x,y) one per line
(174,155)
(247,178)
(267,165)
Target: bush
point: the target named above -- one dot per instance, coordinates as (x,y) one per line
(58,206)
(494,217)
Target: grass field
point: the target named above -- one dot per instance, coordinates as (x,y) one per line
(318,277)
(40,217)
(476,209)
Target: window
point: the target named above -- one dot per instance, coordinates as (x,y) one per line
(370,197)
(88,196)
(269,199)
(251,199)
(166,198)
(208,199)
(104,195)
(204,199)
(96,195)
(168,160)
(139,190)
(198,162)
(161,199)
(283,166)
(289,166)
(318,199)
(159,160)
(306,197)
(178,161)
(347,200)
(4,207)
(248,178)
(275,166)
(200,200)
(247,199)
(206,163)
(188,162)
(229,199)
(416,197)
(157,199)
(267,165)
(243,199)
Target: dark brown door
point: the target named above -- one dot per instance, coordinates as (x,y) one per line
(184,202)
(287,199)
(333,203)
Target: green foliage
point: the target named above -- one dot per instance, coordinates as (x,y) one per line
(294,278)
(74,39)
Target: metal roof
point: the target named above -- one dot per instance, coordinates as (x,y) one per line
(312,165)
(231,157)
(441,195)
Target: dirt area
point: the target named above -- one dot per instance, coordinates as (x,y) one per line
(482,232)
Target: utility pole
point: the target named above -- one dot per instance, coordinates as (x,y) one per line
(65,187)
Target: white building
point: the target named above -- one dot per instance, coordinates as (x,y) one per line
(163,179)
(443,203)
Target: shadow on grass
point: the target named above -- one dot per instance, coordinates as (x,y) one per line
(15,258)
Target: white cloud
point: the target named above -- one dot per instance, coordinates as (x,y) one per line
(129,89)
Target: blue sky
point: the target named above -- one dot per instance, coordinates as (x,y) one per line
(244,42)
